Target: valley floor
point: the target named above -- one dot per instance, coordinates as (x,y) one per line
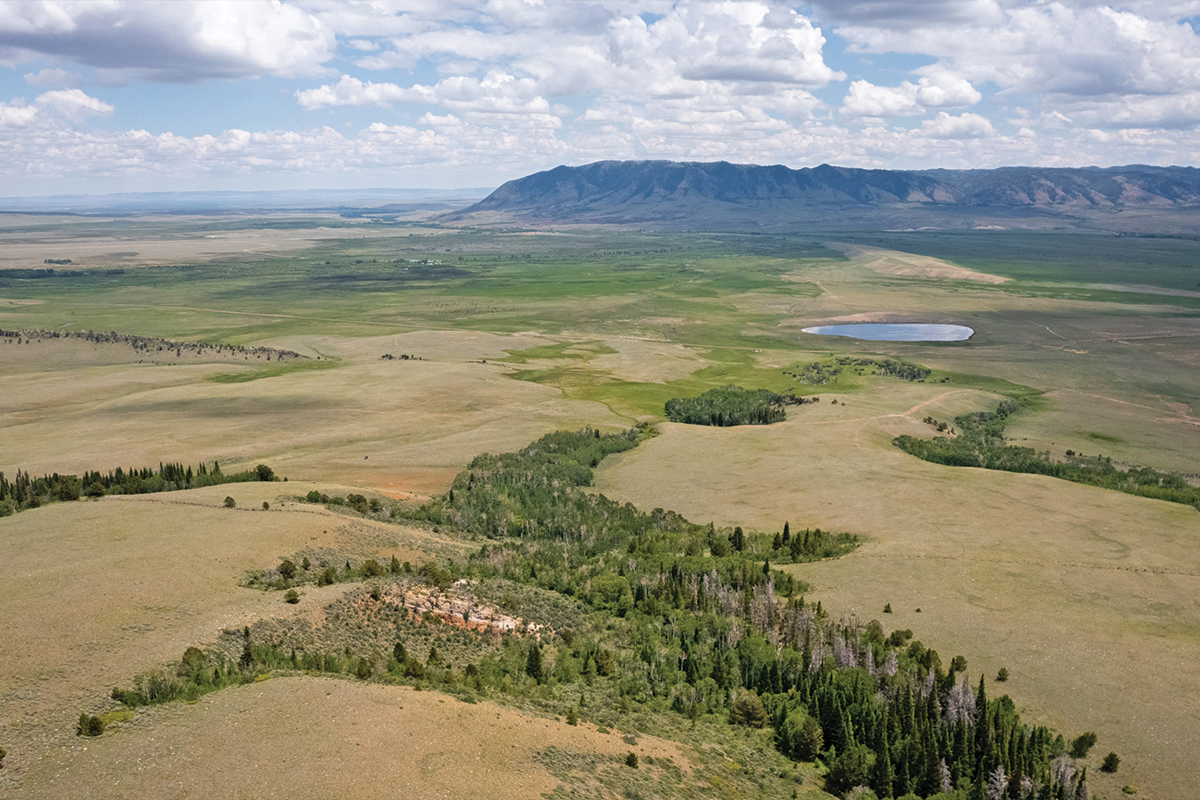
(1088,597)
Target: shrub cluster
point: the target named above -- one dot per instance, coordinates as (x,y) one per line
(355,502)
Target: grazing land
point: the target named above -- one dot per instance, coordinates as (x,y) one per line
(1086,595)
(327,738)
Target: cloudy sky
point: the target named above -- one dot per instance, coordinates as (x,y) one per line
(110,96)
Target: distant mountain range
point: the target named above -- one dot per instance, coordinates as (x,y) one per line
(720,194)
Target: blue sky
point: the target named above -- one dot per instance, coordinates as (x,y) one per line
(152,96)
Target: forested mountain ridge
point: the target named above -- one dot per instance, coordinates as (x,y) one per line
(641,191)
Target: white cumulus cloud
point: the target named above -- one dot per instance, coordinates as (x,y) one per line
(940,90)
(16,115)
(963,126)
(350,91)
(54,78)
(498,96)
(73,104)
(50,108)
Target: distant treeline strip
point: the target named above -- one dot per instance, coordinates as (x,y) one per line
(147,344)
(820,374)
(980,443)
(25,491)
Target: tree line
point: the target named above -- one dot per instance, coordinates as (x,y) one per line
(146,344)
(981,443)
(820,374)
(25,491)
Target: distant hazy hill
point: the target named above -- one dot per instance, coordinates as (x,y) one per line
(347,201)
(696,194)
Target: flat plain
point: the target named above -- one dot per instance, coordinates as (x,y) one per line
(1087,596)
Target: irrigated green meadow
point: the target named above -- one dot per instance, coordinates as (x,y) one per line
(1087,595)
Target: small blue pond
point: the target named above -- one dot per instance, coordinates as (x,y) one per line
(896,332)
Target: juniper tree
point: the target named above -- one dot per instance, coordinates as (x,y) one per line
(89,725)
(1082,744)
(247,658)
(748,710)
(533,662)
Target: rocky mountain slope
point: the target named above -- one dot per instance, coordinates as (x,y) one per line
(720,193)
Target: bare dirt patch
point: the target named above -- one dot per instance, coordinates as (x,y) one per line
(909,265)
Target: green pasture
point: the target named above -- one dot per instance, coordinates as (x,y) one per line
(738,301)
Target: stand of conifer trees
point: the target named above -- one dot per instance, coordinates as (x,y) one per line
(25,491)
(980,443)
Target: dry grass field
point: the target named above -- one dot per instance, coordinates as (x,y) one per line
(399,426)
(98,242)
(96,591)
(321,738)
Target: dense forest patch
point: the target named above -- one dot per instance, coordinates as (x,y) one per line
(728,406)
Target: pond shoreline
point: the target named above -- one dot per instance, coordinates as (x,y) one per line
(896,332)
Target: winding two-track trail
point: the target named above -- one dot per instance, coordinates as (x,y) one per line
(890,556)
(907,413)
(1177,416)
